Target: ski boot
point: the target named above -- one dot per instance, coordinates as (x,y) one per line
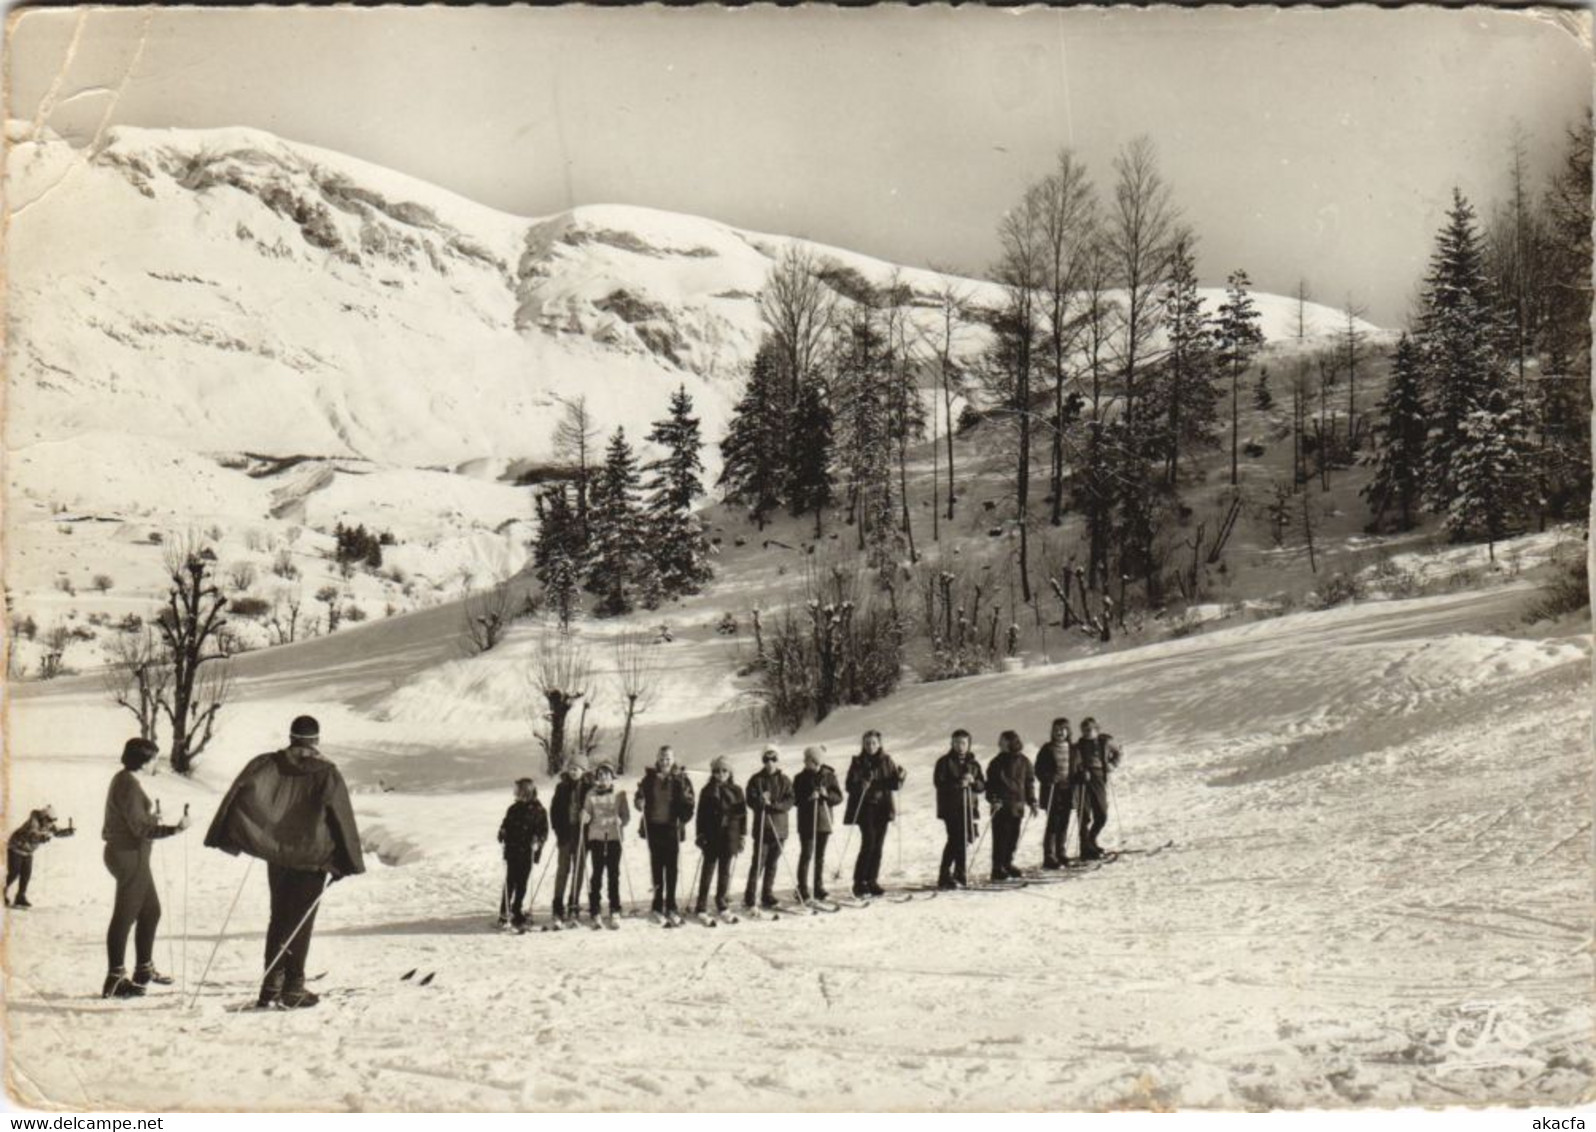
(118,985)
(145,974)
(271,990)
(298,997)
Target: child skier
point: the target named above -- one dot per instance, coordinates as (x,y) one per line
(604,817)
(816,791)
(769,795)
(522,833)
(959,785)
(722,821)
(1011,792)
(566,818)
(39,828)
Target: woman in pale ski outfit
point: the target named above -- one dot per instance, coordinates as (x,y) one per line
(605,816)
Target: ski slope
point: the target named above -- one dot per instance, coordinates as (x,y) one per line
(1377,894)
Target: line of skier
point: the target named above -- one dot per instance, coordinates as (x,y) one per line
(291,809)
(588,818)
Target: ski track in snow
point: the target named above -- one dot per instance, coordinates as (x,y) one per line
(1378,894)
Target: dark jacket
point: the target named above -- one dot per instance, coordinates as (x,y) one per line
(290,808)
(525,825)
(1010,783)
(808,789)
(872,782)
(665,799)
(948,778)
(722,818)
(32,833)
(565,808)
(779,787)
(129,818)
(1094,757)
(1053,769)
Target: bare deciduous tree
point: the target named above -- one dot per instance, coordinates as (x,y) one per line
(486,617)
(137,678)
(576,442)
(191,629)
(284,626)
(797,307)
(637,679)
(560,676)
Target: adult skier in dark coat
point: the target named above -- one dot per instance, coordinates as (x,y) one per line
(565,816)
(1058,795)
(769,795)
(959,785)
(522,833)
(722,825)
(40,827)
(1095,756)
(130,826)
(815,792)
(291,809)
(664,803)
(1011,792)
(873,782)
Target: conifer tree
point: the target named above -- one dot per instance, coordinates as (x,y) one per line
(809,487)
(860,387)
(1239,340)
(1491,481)
(1185,391)
(615,521)
(1399,454)
(1457,332)
(675,535)
(754,453)
(1262,396)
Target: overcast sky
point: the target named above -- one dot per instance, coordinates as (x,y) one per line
(1316,144)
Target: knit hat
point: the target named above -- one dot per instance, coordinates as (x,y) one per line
(818,753)
(305,727)
(576,762)
(770,751)
(47,813)
(604,768)
(721,762)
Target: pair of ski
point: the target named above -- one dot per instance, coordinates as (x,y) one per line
(611,922)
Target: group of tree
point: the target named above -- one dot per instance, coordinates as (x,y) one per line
(1486,420)
(605,529)
(1105,365)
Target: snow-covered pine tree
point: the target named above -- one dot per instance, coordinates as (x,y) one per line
(615,522)
(675,536)
(809,479)
(1183,387)
(1457,333)
(557,552)
(1398,458)
(1262,397)
(860,382)
(754,452)
(1239,339)
(1492,476)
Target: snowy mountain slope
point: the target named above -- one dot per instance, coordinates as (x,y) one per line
(1357,878)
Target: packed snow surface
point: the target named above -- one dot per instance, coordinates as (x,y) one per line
(1377,893)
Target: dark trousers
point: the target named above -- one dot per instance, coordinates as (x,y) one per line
(136,903)
(19,870)
(517,870)
(718,862)
(664,851)
(1005,839)
(762,870)
(1055,837)
(954,852)
(1094,813)
(872,839)
(813,848)
(295,893)
(605,860)
(566,877)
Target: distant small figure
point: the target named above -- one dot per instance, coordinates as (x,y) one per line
(664,636)
(522,833)
(40,827)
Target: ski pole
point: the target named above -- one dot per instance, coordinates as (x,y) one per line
(696,867)
(532,901)
(631,894)
(836,872)
(289,942)
(166,891)
(182,989)
(221,934)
